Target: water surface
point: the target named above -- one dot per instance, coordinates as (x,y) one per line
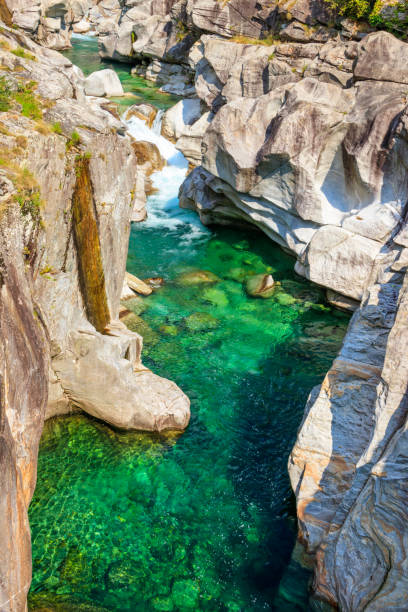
(204,520)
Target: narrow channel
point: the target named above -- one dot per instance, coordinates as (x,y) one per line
(204,520)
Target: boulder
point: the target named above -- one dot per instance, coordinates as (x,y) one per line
(382,57)
(103,83)
(137,285)
(260,285)
(82,27)
(339,259)
(178,117)
(103,376)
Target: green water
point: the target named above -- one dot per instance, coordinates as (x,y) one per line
(204,520)
(84,53)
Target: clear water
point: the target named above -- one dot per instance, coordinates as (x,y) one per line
(84,53)
(204,520)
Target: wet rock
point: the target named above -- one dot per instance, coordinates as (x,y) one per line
(148,156)
(260,285)
(201,321)
(155,282)
(196,277)
(137,285)
(146,112)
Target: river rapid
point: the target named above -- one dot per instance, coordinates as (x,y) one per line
(204,520)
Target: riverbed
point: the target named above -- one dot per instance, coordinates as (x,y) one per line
(204,520)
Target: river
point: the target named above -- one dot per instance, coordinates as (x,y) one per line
(204,520)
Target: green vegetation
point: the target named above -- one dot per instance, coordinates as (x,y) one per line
(20,52)
(74,141)
(56,128)
(25,96)
(393,17)
(5,95)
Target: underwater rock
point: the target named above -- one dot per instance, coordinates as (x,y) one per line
(134,303)
(201,321)
(168,330)
(155,283)
(196,277)
(215,296)
(260,285)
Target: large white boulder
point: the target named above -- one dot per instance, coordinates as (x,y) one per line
(103,83)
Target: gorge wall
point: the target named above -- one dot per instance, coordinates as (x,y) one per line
(69,180)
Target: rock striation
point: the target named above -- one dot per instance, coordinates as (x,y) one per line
(68,182)
(348,466)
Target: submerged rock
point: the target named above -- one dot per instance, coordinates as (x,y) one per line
(260,285)
(201,321)
(196,277)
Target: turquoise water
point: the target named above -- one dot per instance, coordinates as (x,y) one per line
(84,53)
(203,520)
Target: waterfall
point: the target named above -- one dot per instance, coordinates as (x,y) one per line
(163,206)
(157,123)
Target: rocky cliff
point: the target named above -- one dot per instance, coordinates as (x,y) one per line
(68,181)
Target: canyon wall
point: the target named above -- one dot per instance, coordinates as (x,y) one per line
(68,183)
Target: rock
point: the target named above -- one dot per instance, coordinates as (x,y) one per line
(146,112)
(169,330)
(82,27)
(341,301)
(62,272)
(137,285)
(260,285)
(196,277)
(201,321)
(155,282)
(148,156)
(346,464)
(190,140)
(103,83)
(382,57)
(122,393)
(178,117)
(339,260)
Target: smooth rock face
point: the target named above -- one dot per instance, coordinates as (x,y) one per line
(314,165)
(103,83)
(63,266)
(349,462)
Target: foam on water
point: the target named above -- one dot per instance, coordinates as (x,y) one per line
(163,207)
